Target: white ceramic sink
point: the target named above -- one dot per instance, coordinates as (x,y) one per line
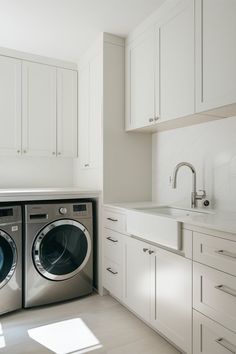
(160,224)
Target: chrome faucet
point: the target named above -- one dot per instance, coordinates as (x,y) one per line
(194,195)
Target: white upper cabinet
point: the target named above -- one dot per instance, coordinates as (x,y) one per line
(215,53)
(142,94)
(39,109)
(66,113)
(10,106)
(176,33)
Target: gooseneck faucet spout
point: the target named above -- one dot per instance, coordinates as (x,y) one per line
(194,195)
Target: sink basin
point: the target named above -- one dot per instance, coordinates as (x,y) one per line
(174,212)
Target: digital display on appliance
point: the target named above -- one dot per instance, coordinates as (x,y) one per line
(79,207)
(6,212)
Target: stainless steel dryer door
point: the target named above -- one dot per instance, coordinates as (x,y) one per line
(8,258)
(61,249)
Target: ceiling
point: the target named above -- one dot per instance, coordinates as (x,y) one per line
(65,28)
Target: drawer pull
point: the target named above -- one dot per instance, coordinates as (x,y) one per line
(111,219)
(226,253)
(111,271)
(111,239)
(226,289)
(227,345)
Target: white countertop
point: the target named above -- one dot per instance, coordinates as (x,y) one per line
(220,220)
(23,194)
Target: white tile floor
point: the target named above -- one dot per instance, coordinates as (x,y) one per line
(96,325)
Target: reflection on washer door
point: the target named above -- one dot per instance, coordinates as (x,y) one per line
(63,249)
(6,259)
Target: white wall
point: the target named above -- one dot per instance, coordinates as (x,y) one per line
(211,148)
(35,172)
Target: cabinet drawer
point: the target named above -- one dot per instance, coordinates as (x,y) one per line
(214,294)
(215,252)
(113,245)
(211,338)
(114,221)
(112,279)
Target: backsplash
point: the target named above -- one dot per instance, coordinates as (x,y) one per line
(211,148)
(35,172)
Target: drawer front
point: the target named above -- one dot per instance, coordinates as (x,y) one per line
(113,245)
(215,252)
(114,221)
(112,279)
(214,294)
(211,338)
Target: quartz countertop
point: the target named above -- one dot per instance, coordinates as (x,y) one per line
(23,194)
(220,220)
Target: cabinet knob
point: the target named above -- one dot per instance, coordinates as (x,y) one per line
(145,250)
(59,153)
(150,252)
(18,151)
(25,151)
(151,120)
(54,153)
(86,165)
(156,119)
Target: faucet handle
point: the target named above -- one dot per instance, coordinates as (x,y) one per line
(202,194)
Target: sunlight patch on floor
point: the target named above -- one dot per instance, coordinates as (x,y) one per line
(66,337)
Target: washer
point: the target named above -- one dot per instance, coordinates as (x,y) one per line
(10,258)
(58,252)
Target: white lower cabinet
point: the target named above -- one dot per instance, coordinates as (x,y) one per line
(158,288)
(210,337)
(214,294)
(137,277)
(171,297)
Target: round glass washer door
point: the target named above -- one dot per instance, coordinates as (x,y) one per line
(8,258)
(61,249)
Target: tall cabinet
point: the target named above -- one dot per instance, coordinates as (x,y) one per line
(109,158)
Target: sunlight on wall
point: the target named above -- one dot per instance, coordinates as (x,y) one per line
(2,339)
(66,337)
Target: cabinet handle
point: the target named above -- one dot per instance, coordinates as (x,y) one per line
(111,239)
(145,250)
(226,289)
(150,252)
(111,219)
(111,271)
(156,118)
(86,165)
(226,253)
(151,120)
(227,345)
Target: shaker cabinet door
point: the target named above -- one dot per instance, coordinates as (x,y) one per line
(10,106)
(39,109)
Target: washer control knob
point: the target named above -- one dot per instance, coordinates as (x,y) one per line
(62,211)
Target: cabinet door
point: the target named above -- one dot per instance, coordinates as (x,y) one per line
(209,337)
(177,61)
(171,304)
(66,113)
(90,114)
(39,109)
(142,96)
(137,277)
(215,53)
(10,106)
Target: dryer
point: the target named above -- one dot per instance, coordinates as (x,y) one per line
(58,252)
(10,258)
